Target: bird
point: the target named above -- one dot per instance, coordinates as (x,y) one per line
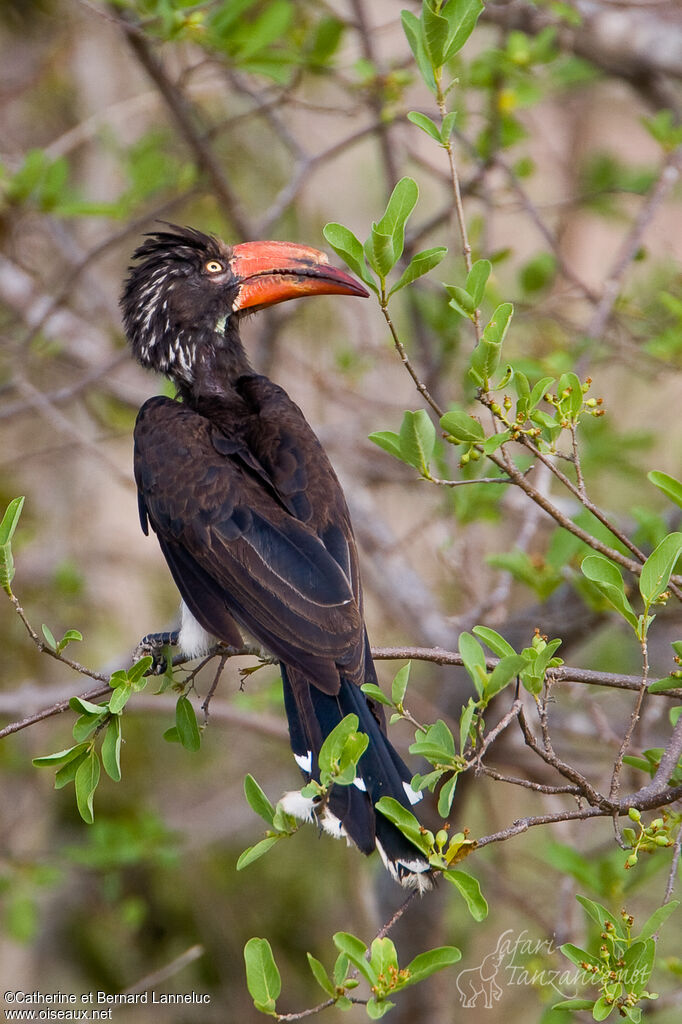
(250,515)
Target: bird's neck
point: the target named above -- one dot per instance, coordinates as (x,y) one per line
(217,369)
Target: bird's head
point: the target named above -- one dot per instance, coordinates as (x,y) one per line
(187,290)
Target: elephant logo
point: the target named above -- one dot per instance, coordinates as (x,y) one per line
(473,982)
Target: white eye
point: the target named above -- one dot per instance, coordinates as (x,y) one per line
(214,267)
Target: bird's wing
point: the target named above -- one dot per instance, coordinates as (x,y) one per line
(232,545)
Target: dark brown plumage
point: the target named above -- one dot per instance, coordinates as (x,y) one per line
(248,511)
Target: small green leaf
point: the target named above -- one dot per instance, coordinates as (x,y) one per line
(417,439)
(356,951)
(111,749)
(172,735)
(603,1008)
(474,660)
(447,127)
(376,693)
(671,487)
(498,325)
(258,850)
(668,683)
(139,670)
(427,963)
(658,917)
(389,441)
(320,975)
(387,239)
(425,123)
(506,669)
(257,800)
(446,796)
(403,820)
(462,427)
(120,698)
(262,976)
(86,779)
(49,637)
(67,772)
(469,888)
(461,16)
(607,578)
(465,720)
(60,757)
(477,278)
(420,264)
(7,528)
(400,681)
(349,248)
(461,301)
(412,27)
(497,644)
(85,725)
(186,724)
(574,1004)
(658,567)
(86,707)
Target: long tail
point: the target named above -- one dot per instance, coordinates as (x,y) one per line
(350,810)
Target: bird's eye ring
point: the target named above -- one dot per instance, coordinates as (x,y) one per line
(214,267)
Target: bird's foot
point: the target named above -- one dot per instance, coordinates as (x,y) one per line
(154,645)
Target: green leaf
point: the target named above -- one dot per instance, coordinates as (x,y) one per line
(465,720)
(474,660)
(574,1004)
(67,772)
(356,951)
(111,749)
(420,264)
(435,32)
(462,427)
(427,963)
(400,681)
(389,441)
(49,636)
(447,127)
(437,744)
(446,796)
(412,27)
(597,912)
(404,820)
(671,487)
(376,1008)
(477,278)
(498,325)
(602,1009)
(256,851)
(86,779)
(400,205)
(497,644)
(506,669)
(262,976)
(69,637)
(607,578)
(139,670)
(461,16)
(186,724)
(60,757)
(320,975)
(7,528)
(668,683)
(120,698)
(469,888)
(86,707)
(10,520)
(425,123)
(257,800)
(417,439)
(658,567)
(85,725)
(461,301)
(349,248)
(172,735)
(658,917)
(376,693)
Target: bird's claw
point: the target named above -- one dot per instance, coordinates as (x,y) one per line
(154,645)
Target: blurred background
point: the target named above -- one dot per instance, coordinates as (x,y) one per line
(268,118)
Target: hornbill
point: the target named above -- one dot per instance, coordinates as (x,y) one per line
(249,513)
